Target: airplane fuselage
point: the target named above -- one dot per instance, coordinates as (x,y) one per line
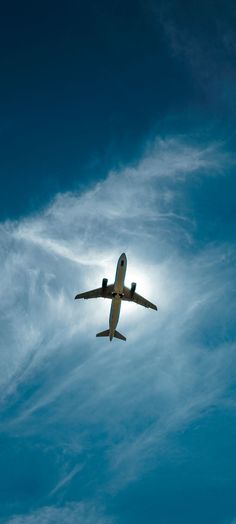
(117,294)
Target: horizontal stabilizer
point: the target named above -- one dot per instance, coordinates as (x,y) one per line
(103,333)
(107,334)
(118,335)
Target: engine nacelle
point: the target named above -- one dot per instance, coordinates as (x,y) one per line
(104,283)
(133,287)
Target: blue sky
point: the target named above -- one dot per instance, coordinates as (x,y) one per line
(118,134)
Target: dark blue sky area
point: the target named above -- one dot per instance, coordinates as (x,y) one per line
(85,84)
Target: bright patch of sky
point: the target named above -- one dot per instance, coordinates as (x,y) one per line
(136,149)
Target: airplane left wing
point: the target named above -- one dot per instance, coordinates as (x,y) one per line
(135,297)
(96,293)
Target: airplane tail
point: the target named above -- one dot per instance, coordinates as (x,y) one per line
(107,334)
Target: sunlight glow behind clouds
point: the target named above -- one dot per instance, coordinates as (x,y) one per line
(92,230)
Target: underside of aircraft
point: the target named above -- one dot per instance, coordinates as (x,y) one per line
(117,292)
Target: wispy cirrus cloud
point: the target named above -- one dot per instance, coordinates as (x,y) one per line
(66,479)
(72,513)
(172,367)
(136,204)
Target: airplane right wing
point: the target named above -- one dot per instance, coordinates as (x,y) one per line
(105,292)
(135,297)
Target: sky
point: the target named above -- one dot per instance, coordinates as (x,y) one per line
(117,123)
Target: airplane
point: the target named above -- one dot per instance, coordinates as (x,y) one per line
(117,292)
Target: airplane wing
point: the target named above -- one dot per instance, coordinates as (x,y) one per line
(135,297)
(96,293)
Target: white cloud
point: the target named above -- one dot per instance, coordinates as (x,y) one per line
(73,513)
(175,364)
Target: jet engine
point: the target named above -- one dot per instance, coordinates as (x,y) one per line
(104,283)
(133,287)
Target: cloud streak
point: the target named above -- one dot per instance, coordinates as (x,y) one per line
(72,513)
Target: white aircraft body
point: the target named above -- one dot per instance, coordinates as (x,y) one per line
(117,292)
